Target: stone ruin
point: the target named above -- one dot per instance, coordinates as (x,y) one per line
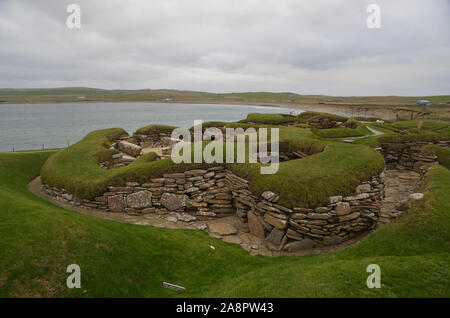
(404,154)
(204,194)
(130,148)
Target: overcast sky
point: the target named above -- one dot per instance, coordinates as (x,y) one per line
(307,47)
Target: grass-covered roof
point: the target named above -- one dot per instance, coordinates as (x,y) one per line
(334,168)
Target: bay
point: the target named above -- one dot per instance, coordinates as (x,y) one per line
(29,126)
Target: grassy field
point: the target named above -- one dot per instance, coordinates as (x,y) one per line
(411,126)
(385,106)
(73,94)
(443,154)
(407,129)
(39,240)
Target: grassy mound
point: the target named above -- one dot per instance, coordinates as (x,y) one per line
(77,169)
(39,240)
(310,115)
(155,129)
(360,130)
(412,138)
(443,154)
(431,131)
(411,127)
(273,119)
(333,169)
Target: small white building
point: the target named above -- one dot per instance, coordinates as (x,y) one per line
(423,102)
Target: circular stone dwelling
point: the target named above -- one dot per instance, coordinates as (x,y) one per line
(324,193)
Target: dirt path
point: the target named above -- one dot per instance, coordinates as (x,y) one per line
(375,132)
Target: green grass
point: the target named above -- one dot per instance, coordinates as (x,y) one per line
(431,131)
(374,141)
(310,181)
(360,130)
(330,170)
(310,115)
(273,119)
(155,129)
(443,154)
(400,106)
(411,126)
(71,94)
(39,240)
(77,169)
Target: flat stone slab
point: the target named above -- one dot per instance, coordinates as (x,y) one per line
(129,148)
(221,228)
(139,200)
(255,225)
(172,201)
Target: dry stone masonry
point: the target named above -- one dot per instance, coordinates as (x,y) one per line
(153,139)
(409,155)
(217,192)
(406,162)
(130,148)
(342,218)
(207,194)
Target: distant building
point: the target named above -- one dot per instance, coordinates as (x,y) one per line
(423,102)
(81,97)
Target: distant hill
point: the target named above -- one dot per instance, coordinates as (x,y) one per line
(85,94)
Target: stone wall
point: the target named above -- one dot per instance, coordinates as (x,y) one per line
(199,191)
(154,139)
(342,218)
(408,155)
(217,192)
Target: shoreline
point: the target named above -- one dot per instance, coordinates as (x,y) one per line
(385,112)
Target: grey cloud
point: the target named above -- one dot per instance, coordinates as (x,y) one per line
(320,47)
